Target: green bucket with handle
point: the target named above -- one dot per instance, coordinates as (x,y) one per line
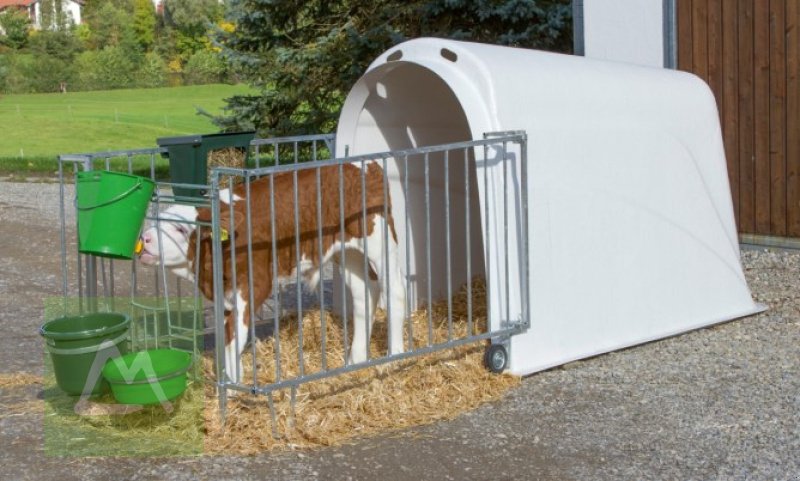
(79,347)
(111,209)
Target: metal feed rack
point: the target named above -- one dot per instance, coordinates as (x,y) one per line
(497,353)
(109,285)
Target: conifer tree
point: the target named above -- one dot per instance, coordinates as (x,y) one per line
(303,57)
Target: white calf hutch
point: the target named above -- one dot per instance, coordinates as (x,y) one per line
(592,197)
(631,232)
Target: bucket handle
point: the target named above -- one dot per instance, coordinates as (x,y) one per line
(113,199)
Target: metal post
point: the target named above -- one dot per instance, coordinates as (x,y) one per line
(219,296)
(670,34)
(90,264)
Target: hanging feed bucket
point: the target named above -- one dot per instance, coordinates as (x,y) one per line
(111,210)
(75,342)
(148,377)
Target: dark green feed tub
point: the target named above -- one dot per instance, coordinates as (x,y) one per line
(188,157)
(111,209)
(75,342)
(148,377)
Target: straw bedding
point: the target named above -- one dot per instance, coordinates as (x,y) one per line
(332,411)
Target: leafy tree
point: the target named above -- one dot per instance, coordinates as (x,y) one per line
(188,25)
(110,26)
(61,44)
(204,67)
(16,25)
(153,71)
(303,57)
(144,23)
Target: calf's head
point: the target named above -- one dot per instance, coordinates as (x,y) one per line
(167,240)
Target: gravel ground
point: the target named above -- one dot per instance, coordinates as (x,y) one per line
(718,403)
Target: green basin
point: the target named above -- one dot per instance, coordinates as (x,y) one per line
(75,343)
(148,377)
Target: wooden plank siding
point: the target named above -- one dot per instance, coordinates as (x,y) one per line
(748,51)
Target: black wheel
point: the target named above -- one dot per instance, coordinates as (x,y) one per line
(496,358)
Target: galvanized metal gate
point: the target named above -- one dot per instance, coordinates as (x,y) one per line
(226,233)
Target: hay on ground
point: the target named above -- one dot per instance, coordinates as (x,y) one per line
(19,379)
(381,399)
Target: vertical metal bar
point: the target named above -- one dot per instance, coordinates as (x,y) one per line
(428,245)
(272,415)
(467,236)
(321,254)
(526,247)
(408,255)
(63,235)
(296,159)
(130,163)
(486,236)
(276,323)
(198,303)
(103,279)
(111,283)
(234,279)
(77,240)
(292,404)
(367,300)
(91,264)
(447,244)
(388,285)
(343,261)
(163,271)
(506,286)
(258,156)
(250,284)
(219,295)
(298,279)
(578,45)
(670,37)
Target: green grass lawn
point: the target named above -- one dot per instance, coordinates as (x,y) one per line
(38,127)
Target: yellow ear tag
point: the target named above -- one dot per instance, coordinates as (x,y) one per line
(223,235)
(139,247)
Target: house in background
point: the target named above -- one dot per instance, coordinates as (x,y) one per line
(748,52)
(70,8)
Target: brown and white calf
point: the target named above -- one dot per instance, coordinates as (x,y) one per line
(176,245)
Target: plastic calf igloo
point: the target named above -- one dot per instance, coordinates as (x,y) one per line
(631,232)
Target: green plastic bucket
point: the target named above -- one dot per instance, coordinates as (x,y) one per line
(148,377)
(111,210)
(75,342)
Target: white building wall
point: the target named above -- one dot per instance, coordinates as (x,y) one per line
(630,31)
(74,11)
(70,7)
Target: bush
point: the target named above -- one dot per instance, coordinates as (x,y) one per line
(204,67)
(153,72)
(105,69)
(34,73)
